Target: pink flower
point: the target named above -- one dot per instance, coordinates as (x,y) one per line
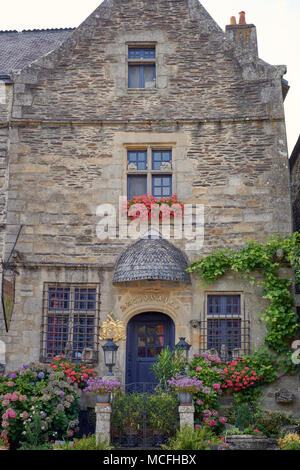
(11,414)
(198,368)
(223,420)
(212,423)
(200,402)
(10,384)
(216,386)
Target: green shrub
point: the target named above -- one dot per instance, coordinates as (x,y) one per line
(244,417)
(169,364)
(269,423)
(162,413)
(128,412)
(290,442)
(190,438)
(86,443)
(37,390)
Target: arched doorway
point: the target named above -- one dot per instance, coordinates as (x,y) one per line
(147,335)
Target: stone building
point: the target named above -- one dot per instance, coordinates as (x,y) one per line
(295,183)
(143,97)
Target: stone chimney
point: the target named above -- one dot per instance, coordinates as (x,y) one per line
(243,34)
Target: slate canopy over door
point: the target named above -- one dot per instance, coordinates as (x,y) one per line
(147,335)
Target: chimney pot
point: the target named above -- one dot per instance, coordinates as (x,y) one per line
(242,17)
(233,20)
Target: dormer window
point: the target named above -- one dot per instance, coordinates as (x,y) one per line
(141,67)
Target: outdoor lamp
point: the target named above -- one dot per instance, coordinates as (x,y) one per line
(110,353)
(182,344)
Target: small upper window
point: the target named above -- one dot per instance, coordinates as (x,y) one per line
(141,67)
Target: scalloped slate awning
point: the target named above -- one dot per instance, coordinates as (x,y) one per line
(151,258)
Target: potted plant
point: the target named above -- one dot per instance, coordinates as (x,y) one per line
(102,388)
(186,387)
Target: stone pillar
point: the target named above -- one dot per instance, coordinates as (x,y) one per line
(103,421)
(186,415)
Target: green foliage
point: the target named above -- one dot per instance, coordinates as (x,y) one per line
(86,443)
(209,370)
(35,435)
(290,442)
(265,258)
(269,423)
(128,412)
(244,417)
(169,364)
(238,432)
(32,390)
(162,413)
(190,438)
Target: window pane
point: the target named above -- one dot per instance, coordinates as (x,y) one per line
(134,76)
(85,299)
(141,52)
(83,335)
(158,157)
(137,186)
(139,158)
(59,298)
(162,186)
(149,76)
(57,335)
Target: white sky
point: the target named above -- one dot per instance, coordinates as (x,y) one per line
(277,23)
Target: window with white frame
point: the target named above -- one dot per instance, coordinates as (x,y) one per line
(225,326)
(149,171)
(141,67)
(70,320)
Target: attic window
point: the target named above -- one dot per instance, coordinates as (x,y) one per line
(141,67)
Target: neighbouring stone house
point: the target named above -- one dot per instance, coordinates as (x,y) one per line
(295,183)
(143,97)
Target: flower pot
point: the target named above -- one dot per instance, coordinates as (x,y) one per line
(103,398)
(185,398)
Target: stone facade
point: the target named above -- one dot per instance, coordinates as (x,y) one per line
(66,125)
(295,182)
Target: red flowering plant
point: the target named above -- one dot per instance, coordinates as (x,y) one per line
(147,206)
(77,373)
(241,378)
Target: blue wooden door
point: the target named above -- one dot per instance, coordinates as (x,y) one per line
(147,335)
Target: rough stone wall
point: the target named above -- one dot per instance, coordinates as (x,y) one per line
(5,110)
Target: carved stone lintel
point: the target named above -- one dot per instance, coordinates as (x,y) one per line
(284,396)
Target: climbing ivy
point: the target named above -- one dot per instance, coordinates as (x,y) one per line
(265,258)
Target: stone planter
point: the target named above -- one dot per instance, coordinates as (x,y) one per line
(103,398)
(185,398)
(249,442)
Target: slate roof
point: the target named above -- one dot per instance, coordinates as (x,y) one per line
(151,258)
(18,49)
